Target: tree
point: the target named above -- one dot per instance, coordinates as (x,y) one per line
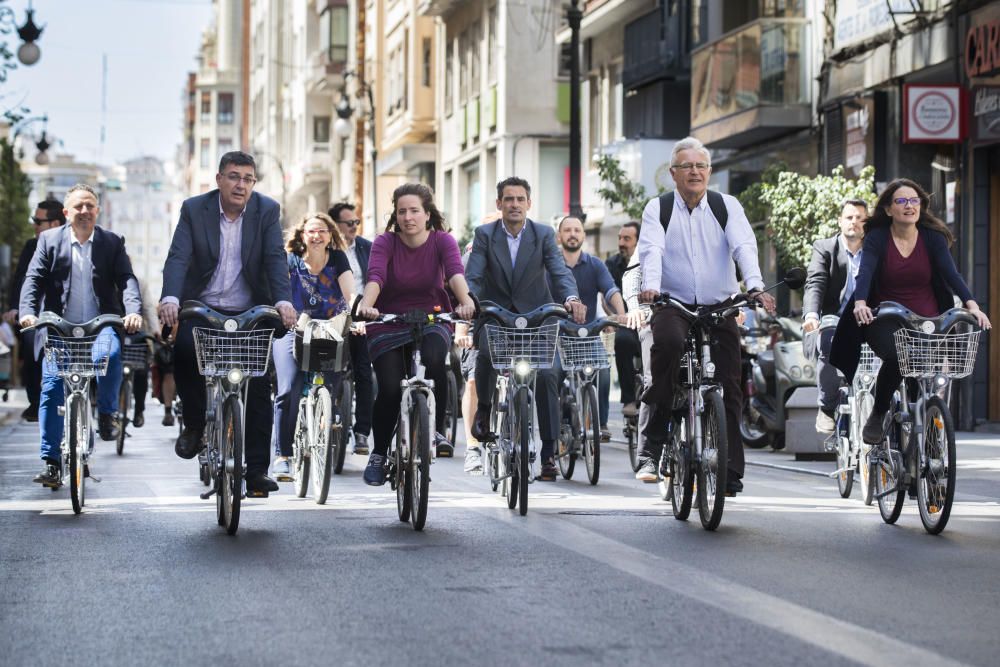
(618,190)
(801,209)
(15,187)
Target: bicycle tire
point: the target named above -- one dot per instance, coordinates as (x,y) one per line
(568,434)
(887,474)
(632,438)
(682,474)
(322,446)
(712,483)
(933,501)
(231,477)
(77,458)
(451,412)
(845,479)
(401,479)
(419,469)
(345,407)
(124,394)
(867,477)
(300,454)
(591,443)
(522,427)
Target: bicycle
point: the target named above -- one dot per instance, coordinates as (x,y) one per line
(519,346)
(410,454)
(452,408)
(78,353)
(320,438)
(919,448)
(583,351)
(135,359)
(230,351)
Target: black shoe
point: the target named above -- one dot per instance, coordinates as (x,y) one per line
(733,486)
(108,426)
(259,483)
(481,425)
(189,443)
(138,420)
(168,419)
(549,471)
(442,447)
(874,429)
(30,414)
(49,476)
(375,471)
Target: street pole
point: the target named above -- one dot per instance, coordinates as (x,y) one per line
(573,16)
(359,128)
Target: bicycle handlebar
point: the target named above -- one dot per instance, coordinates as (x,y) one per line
(248,319)
(491,311)
(63,327)
(570,328)
(890,310)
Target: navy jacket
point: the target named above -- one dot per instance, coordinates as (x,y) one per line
(946,282)
(363,248)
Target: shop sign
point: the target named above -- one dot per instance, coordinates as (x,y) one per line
(858,20)
(857,133)
(933,114)
(982,49)
(986,113)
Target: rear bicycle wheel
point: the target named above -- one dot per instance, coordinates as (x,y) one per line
(451,412)
(682,474)
(845,479)
(345,406)
(78,439)
(568,435)
(888,472)
(300,453)
(591,444)
(321,445)
(231,474)
(936,486)
(419,470)
(714,458)
(401,480)
(124,398)
(522,428)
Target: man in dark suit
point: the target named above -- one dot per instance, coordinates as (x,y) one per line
(508,265)
(358,250)
(829,285)
(626,340)
(48,214)
(80,271)
(227,252)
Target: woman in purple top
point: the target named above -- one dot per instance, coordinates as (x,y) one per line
(906,259)
(408,269)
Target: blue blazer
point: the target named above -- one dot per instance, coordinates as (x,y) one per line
(194,250)
(363,248)
(946,281)
(47,280)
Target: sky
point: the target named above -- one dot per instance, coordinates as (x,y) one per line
(150,47)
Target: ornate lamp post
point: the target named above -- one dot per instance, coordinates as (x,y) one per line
(29,52)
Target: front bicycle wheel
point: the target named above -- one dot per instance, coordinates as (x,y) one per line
(401,480)
(231,475)
(300,453)
(345,406)
(419,470)
(591,431)
(887,468)
(522,429)
(845,479)
(714,457)
(682,474)
(124,394)
(568,434)
(77,452)
(451,411)
(321,448)
(936,486)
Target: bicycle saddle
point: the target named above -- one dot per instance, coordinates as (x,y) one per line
(246,320)
(890,310)
(50,320)
(490,310)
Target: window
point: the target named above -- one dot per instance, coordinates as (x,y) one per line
(206,107)
(565,60)
(595,115)
(397,78)
(449,77)
(224,146)
(425,63)
(463,68)
(206,157)
(475,61)
(321,129)
(226,104)
(492,45)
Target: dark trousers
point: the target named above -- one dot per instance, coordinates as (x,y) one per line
(626,350)
(670,328)
(828,379)
(140,385)
(546,394)
(191,388)
(391,368)
(363,389)
(879,336)
(31,369)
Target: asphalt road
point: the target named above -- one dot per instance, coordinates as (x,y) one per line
(593,575)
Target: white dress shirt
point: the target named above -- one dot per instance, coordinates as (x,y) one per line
(352,258)
(81,302)
(693,261)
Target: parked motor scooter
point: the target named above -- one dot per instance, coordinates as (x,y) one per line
(774,375)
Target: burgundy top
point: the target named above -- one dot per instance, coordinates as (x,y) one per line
(412,278)
(907,280)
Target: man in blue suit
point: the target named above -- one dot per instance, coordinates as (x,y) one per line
(80,271)
(227,252)
(358,250)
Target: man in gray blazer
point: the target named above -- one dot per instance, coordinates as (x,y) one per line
(829,285)
(227,252)
(508,265)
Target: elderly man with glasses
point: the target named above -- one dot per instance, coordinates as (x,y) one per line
(48,214)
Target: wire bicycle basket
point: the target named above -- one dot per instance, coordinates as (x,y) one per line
(924,355)
(534,345)
(135,356)
(86,356)
(220,351)
(585,352)
(868,362)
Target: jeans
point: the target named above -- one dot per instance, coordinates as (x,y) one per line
(828,377)
(52,398)
(626,350)
(290,380)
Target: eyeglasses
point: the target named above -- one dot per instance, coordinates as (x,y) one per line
(691,166)
(39,221)
(903,201)
(235,178)
(349,223)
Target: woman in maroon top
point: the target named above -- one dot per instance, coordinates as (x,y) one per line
(408,268)
(906,259)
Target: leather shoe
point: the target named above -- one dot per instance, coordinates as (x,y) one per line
(258,482)
(874,429)
(481,426)
(49,476)
(30,414)
(549,471)
(138,420)
(189,443)
(109,426)
(733,485)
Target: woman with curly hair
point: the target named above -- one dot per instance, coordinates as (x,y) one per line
(408,268)
(322,283)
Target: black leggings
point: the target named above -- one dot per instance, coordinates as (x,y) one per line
(879,336)
(390,370)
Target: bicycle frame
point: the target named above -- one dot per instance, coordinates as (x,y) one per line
(415,383)
(218,389)
(507,386)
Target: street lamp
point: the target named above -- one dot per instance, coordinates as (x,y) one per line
(343,128)
(29,52)
(573,17)
(43,144)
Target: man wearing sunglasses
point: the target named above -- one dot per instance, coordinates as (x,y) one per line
(358,250)
(228,253)
(48,214)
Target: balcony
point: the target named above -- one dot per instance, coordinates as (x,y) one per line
(647,56)
(752,84)
(442,8)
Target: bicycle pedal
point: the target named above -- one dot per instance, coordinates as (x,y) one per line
(208,494)
(95,479)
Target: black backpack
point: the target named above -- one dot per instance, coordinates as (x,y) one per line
(715,202)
